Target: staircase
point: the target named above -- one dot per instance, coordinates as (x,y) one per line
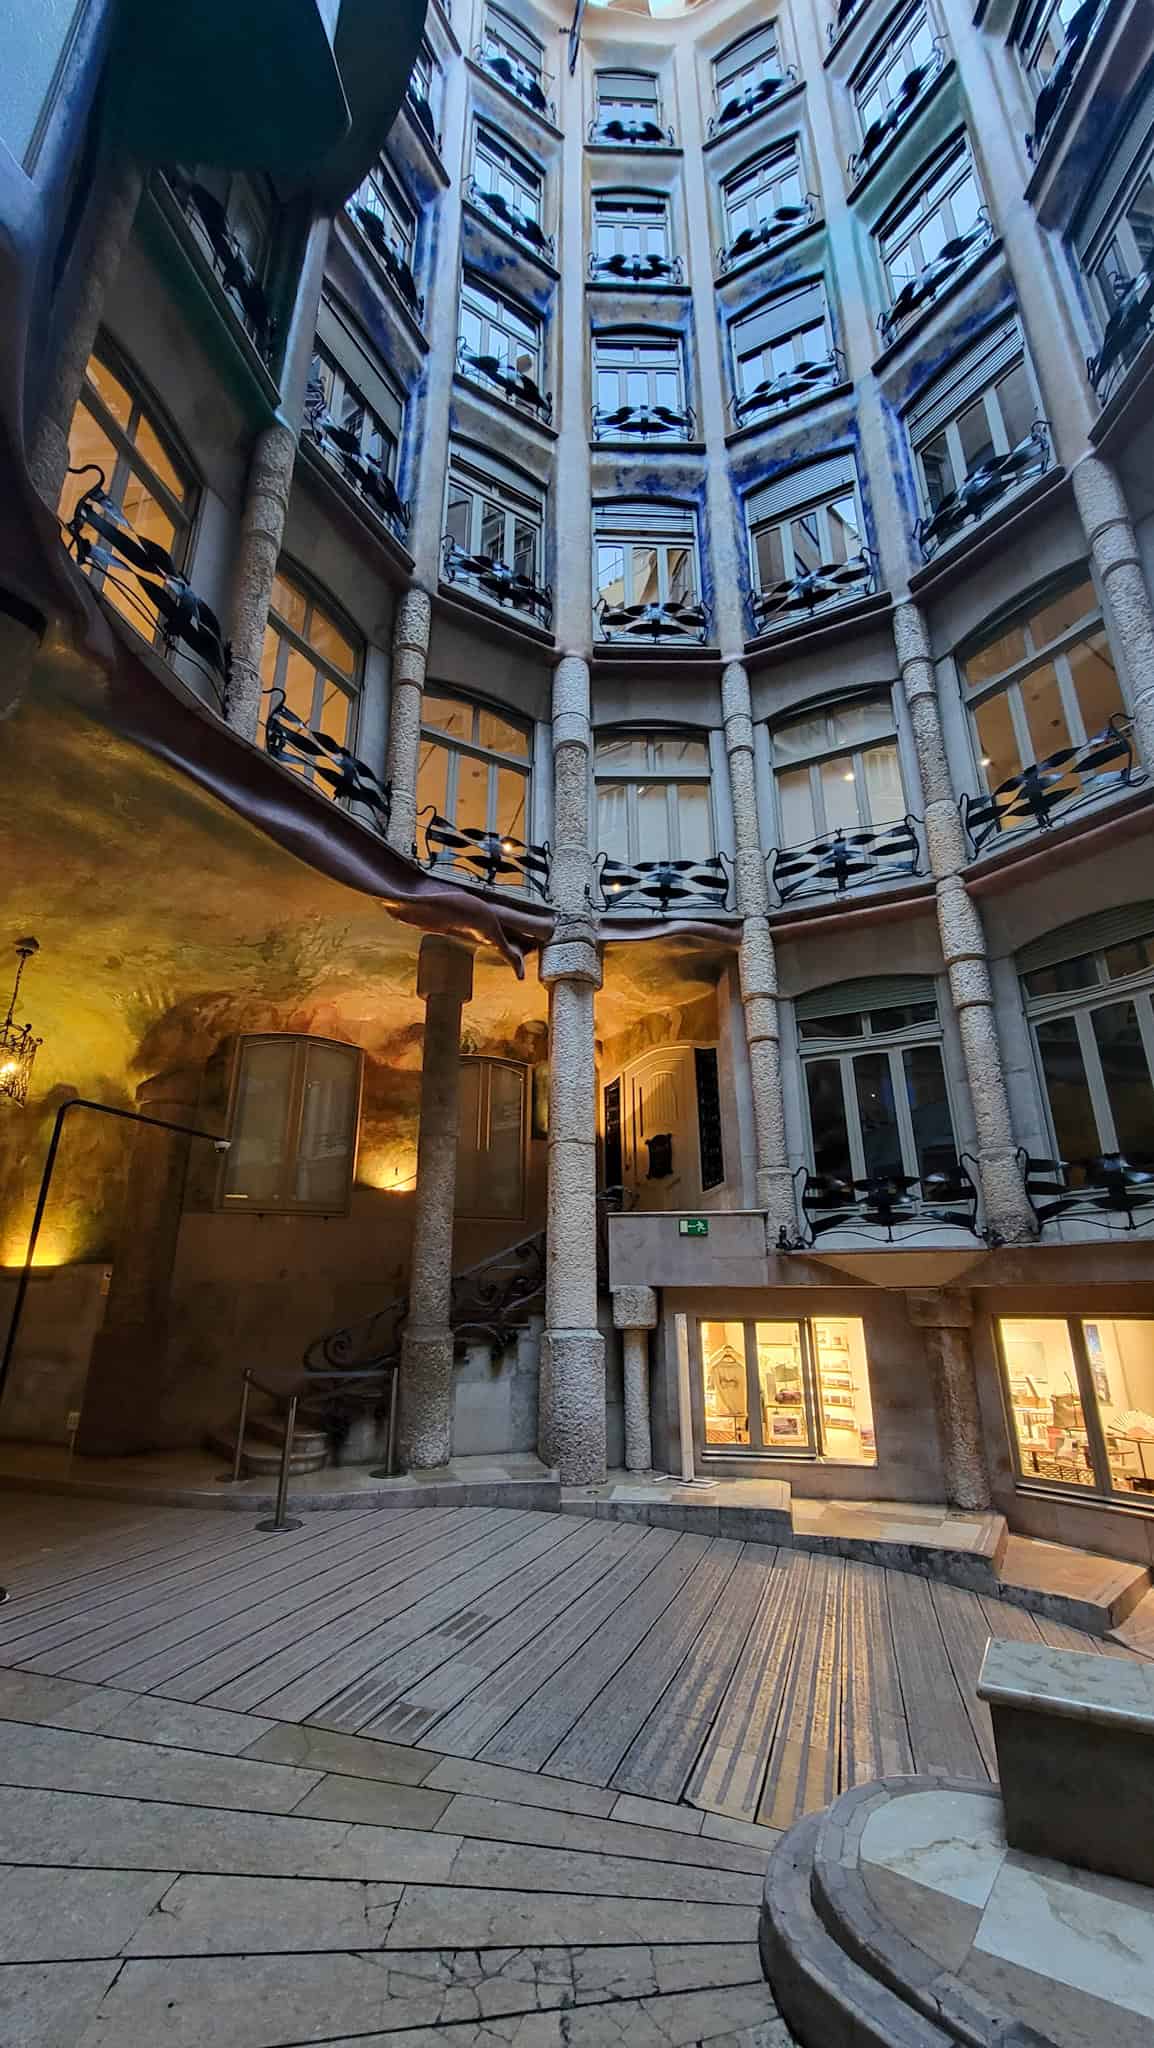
(264,1446)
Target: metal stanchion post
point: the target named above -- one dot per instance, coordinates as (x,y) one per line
(280,1520)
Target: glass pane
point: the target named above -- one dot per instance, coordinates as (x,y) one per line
(937,469)
(492,540)
(645,587)
(770,556)
(289,604)
(148,442)
(847,1420)
(1095,683)
(500,735)
(839,792)
(652,821)
(851,725)
(680,575)
(1061,613)
(929,1109)
(885,798)
(432,775)
(997,742)
(299,682)
(827,1120)
(458,518)
(512,791)
(87,442)
(671,752)
(1045,1405)
(781,1387)
(331,644)
(1121,1358)
(995,656)
(694,833)
(881,1139)
(1131,957)
(807,550)
(1126,1074)
(899,1016)
(328,1127)
(1081,972)
(471,810)
(1045,716)
(611,574)
(447,715)
(795,807)
(259,1147)
(111,390)
(626,750)
(725,1395)
(831,1027)
(1016,400)
(975,433)
(801,739)
(336,717)
(470,1148)
(1068,1092)
(613,820)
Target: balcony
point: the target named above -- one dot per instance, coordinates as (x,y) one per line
(813,591)
(520,225)
(1061,78)
(517,78)
(922,289)
(1109,1192)
(642,423)
(315,754)
(424,117)
(341,447)
(896,114)
(622,269)
(237,276)
(984,488)
(887,1207)
(1128,328)
(495,859)
(1054,789)
(841,860)
(630,131)
(666,886)
(752,99)
(395,265)
(513,385)
(773,228)
(496,580)
(803,381)
(673,620)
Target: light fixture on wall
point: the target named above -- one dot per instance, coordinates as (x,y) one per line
(18,1047)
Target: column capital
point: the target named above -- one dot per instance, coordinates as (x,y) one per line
(939,1308)
(445,968)
(571,954)
(634,1308)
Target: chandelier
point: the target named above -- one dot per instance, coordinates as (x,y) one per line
(17,1045)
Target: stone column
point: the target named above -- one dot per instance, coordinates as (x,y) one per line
(963,940)
(48,440)
(947,1318)
(119,1414)
(635,1314)
(1114,552)
(410,657)
(425,1403)
(757,963)
(572,1425)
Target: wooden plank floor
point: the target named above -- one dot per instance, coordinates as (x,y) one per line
(752,1683)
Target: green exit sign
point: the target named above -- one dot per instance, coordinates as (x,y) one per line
(693,1226)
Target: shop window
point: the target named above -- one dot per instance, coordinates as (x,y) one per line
(837,769)
(491,1140)
(875,1083)
(793,1389)
(1092,1019)
(654,801)
(474,766)
(882,85)
(315,661)
(1081,1400)
(293,1128)
(631,225)
(755,194)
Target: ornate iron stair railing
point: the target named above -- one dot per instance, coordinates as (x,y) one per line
(489,1300)
(843,860)
(505,585)
(816,590)
(918,291)
(773,227)
(496,859)
(303,747)
(1044,791)
(666,886)
(983,488)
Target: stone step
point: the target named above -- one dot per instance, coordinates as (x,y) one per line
(261,1460)
(1075,1586)
(269,1429)
(1137,1631)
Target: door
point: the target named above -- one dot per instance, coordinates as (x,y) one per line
(660,1164)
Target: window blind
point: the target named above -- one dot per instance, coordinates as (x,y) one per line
(966,376)
(653,522)
(780,316)
(816,480)
(1088,935)
(627,85)
(871,992)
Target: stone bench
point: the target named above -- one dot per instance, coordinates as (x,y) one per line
(1075,1742)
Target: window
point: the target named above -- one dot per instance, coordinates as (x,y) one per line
(646,554)
(875,1085)
(776,340)
(805,525)
(628,107)
(1080,1391)
(882,88)
(315,661)
(293,1131)
(1039,683)
(424,89)
(115,428)
(507,38)
(492,325)
(379,198)
(788,1389)
(632,225)
(474,766)
(753,195)
(837,769)
(368,443)
(1044,39)
(632,375)
(746,64)
(993,422)
(491,1140)
(1092,1022)
(502,174)
(653,797)
(946,208)
(1125,250)
(491,513)
(978,420)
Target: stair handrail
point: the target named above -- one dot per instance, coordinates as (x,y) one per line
(373,1345)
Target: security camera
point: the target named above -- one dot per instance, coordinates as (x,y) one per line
(222,1144)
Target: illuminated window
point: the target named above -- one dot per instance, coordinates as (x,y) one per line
(293,1128)
(491,1140)
(1080,1393)
(314,661)
(474,766)
(791,1389)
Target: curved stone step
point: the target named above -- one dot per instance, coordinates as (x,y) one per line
(261,1460)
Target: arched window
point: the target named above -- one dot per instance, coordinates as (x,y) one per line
(491,1140)
(1089,995)
(315,661)
(474,766)
(293,1126)
(875,1083)
(654,801)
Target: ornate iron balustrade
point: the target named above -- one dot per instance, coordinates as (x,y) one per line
(514,385)
(518,224)
(340,446)
(886,1205)
(518,78)
(814,591)
(1044,789)
(785,390)
(897,113)
(101,539)
(397,270)
(624,269)
(752,99)
(643,423)
(1126,330)
(664,885)
(423,114)
(920,290)
(842,860)
(229,261)
(494,858)
(984,488)
(673,620)
(1078,33)
(784,220)
(302,747)
(507,586)
(489,1302)
(1099,1191)
(631,133)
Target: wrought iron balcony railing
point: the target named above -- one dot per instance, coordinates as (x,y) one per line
(918,291)
(521,225)
(512,384)
(792,385)
(887,1205)
(397,269)
(423,114)
(342,448)
(815,590)
(773,227)
(303,748)
(144,574)
(842,860)
(984,488)
(229,261)
(494,858)
(752,99)
(674,620)
(496,579)
(636,131)
(1128,327)
(1110,1192)
(664,885)
(1052,789)
(652,269)
(896,114)
(518,78)
(1078,33)
(643,423)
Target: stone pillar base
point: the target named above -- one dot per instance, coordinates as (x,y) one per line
(573,1399)
(425,1403)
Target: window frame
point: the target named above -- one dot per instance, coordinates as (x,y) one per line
(425,74)
(661,543)
(472,749)
(790,337)
(324,670)
(612,107)
(873,74)
(818,507)
(730,77)
(627,202)
(1079,1004)
(393,208)
(916,211)
(467,475)
(813,1404)
(484,1063)
(787,157)
(1008,682)
(949,430)
(371,426)
(507,165)
(835,751)
(1101,1487)
(635,342)
(512,39)
(301,1042)
(491,321)
(632,779)
(842,1048)
(1115,241)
